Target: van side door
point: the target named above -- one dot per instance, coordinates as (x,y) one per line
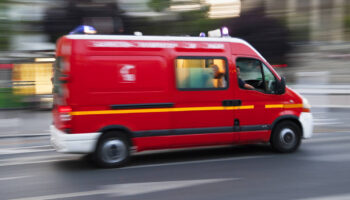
(202,101)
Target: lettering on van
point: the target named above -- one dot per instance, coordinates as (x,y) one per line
(127,73)
(125,44)
(216,46)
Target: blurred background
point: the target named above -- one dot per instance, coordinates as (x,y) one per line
(307,41)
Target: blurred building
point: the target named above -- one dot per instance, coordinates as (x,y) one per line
(312,20)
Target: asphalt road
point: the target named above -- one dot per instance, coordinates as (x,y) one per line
(30,169)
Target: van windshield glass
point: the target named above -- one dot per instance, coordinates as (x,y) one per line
(254,74)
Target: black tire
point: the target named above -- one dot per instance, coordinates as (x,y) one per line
(113,150)
(286,137)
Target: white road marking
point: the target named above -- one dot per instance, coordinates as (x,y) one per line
(333,197)
(19,151)
(12,178)
(10,122)
(342,131)
(323,91)
(331,147)
(345,157)
(33,147)
(326,139)
(36,160)
(321,86)
(329,121)
(130,189)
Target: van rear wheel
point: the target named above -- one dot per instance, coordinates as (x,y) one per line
(113,150)
(286,137)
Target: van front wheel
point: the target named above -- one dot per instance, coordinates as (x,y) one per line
(113,150)
(286,137)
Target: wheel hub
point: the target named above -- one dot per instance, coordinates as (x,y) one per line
(287,136)
(113,151)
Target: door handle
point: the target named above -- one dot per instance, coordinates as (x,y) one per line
(235,102)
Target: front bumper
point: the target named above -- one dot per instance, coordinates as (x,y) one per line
(73,143)
(306,120)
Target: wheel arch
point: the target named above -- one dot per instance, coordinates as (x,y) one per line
(292,118)
(117,128)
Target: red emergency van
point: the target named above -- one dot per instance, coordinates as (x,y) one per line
(117,94)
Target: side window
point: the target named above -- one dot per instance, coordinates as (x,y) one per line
(201,73)
(249,74)
(253,74)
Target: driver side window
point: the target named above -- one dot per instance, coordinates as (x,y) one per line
(249,74)
(255,75)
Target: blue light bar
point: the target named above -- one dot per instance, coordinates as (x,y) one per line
(84,29)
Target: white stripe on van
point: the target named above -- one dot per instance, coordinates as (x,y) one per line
(164,38)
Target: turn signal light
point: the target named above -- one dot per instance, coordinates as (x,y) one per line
(306,110)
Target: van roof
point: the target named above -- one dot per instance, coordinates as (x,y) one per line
(159,38)
(163,38)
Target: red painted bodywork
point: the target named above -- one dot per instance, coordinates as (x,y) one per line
(94,83)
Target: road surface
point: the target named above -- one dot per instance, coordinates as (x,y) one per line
(30,169)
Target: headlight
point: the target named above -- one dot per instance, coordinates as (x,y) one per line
(306,105)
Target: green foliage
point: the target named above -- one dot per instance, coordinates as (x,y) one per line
(9,100)
(5,26)
(159,5)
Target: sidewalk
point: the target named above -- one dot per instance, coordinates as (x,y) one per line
(22,123)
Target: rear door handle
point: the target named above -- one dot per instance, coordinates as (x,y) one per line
(234,102)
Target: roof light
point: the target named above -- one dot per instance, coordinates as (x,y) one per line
(138,33)
(83,29)
(214,33)
(224,32)
(202,34)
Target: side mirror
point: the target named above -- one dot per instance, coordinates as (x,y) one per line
(281,86)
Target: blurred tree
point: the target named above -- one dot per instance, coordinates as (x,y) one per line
(5,26)
(159,5)
(347,22)
(267,35)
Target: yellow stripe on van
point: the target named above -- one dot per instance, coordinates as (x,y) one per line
(293,105)
(274,106)
(155,110)
(239,107)
(284,106)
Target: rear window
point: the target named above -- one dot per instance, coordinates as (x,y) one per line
(57,85)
